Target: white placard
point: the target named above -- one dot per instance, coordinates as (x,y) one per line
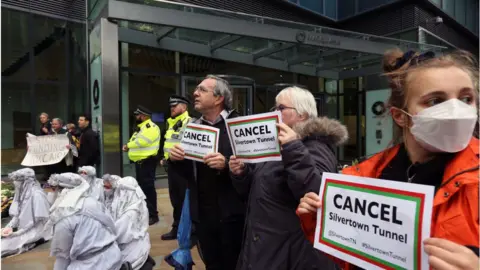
(46,150)
(373,223)
(254,138)
(199,140)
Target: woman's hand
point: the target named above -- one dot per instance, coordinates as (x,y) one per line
(447,255)
(237,167)
(7,232)
(176,153)
(286,134)
(310,203)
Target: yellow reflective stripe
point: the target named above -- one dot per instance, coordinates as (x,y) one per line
(147,139)
(144,149)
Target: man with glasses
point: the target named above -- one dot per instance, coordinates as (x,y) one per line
(217,210)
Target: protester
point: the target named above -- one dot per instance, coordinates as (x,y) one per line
(130,213)
(217,210)
(273,235)
(74,134)
(434,105)
(84,232)
(45,125)
(96,189)
(110,183)
(89,149)
(29,212)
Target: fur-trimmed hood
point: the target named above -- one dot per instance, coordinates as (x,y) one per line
(324,127)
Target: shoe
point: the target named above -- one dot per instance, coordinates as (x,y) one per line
(171,235)
(152,221)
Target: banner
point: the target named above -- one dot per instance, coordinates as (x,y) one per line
(199,140)
(254,138)
(46,150)
(373,223)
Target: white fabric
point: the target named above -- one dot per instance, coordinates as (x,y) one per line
(108,193)
(86,240)
(70,200)
(89,173)
(130,213)
(29,212)
(446,127)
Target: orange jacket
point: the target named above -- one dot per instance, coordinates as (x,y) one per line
(455,205)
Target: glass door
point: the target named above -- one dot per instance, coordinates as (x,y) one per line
(242,94)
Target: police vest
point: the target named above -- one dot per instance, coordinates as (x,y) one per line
(145,142)
(174,132)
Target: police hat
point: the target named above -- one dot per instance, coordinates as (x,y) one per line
(142,110)
(175,99)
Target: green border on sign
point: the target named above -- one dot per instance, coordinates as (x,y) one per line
(381,193)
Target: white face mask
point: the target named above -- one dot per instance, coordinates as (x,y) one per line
(446,127)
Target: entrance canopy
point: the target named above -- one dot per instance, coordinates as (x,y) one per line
(295,47)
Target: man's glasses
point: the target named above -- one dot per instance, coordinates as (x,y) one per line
(281,108)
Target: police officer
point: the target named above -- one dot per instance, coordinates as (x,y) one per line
(142,150)
(177,185)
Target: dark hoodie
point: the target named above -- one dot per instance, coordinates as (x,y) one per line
(273,236)
(89,152)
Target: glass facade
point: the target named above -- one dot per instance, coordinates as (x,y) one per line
(463,11)
(43,70)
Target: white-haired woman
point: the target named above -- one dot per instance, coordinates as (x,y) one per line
(29,212)
(84,233)
(273,235)
(96,190)
(130,213)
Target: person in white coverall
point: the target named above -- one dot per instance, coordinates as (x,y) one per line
(29,212)
(84,235)
(130,212)
(89,173)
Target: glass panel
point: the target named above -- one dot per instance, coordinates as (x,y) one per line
(78,76)
(240,98)
(15,46)
(331,9)
(260,99)
(16,122)
(314,5)
(153,93)
(203,37)
(49,42)
(151,59)
(470,15)
(346,8)
(247,45)
(449,7)
(460,9)
(310,82)
(52,99)
(437,2)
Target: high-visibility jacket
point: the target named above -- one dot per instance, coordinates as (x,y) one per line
(174,132)
(145,142)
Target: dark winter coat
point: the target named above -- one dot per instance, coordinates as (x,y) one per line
(89,152)
(273,235)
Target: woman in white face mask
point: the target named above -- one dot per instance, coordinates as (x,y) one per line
(434,104)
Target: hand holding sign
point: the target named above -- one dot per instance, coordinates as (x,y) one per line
(237,167)
(286,134)
(215,161)
(447,255)
(310,203)
(177,153)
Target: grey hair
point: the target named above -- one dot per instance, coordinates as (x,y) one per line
(222,88)
(302,100)
(44,113)
(59,121)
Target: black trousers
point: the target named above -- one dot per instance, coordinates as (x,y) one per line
(145,170)
(176,189)
(219,242)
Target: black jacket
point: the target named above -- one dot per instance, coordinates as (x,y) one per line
(273,235)
(211,189)
(89,152)
(47,125)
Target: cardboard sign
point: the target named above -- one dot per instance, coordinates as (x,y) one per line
(254,138)
(373,223)
(46,150)
(199,140)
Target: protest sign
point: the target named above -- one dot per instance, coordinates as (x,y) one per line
(374,224)
(46,150)
(199,140)
(254,138)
